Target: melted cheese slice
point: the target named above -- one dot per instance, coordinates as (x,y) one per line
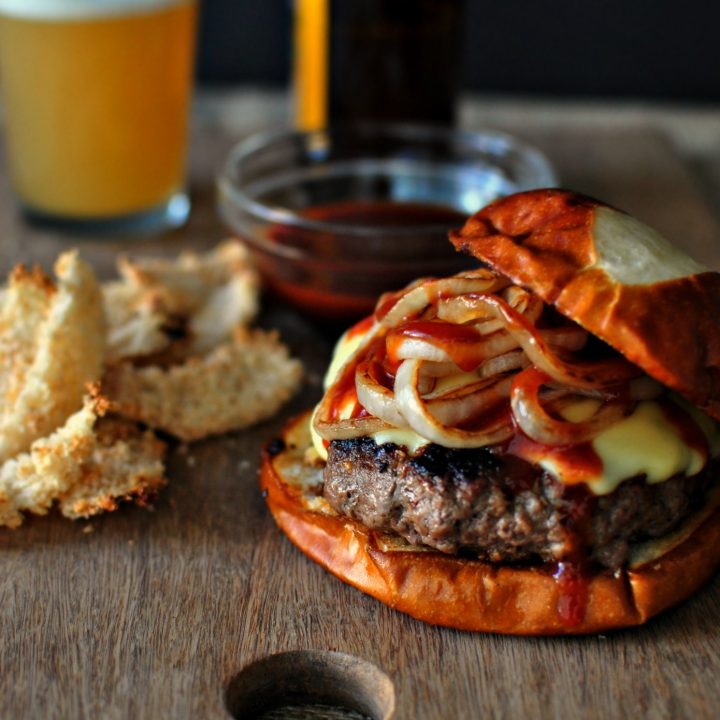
(644,443)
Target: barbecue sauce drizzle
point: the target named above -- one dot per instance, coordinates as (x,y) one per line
(573,584)
(460,342)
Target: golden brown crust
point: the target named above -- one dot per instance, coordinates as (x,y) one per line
(473,595)
(555,243)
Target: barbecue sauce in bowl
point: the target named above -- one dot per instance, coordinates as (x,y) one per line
(341,256)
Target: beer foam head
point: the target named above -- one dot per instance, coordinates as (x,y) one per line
(80,9)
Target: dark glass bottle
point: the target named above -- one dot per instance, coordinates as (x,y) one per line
(376,61)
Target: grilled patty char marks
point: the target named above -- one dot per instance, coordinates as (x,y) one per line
(496,506)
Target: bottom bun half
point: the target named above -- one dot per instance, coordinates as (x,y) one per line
(470,594)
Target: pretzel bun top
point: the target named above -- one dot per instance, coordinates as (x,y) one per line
(614,276)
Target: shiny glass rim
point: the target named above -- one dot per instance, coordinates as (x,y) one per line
(491,143)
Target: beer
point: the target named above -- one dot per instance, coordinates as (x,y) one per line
(96,96)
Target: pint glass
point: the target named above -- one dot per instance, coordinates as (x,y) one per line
(96,97)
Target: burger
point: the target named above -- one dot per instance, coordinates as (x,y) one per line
(529,447)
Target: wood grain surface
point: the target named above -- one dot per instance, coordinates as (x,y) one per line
(151,614)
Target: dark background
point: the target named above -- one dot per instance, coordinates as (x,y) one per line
(648,49)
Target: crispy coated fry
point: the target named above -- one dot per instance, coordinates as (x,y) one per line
(52,342)
(192,303)
(177,357)
(237,384)
(126,464)
(135,323)
(87,464)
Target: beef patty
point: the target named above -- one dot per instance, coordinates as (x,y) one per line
(495,506)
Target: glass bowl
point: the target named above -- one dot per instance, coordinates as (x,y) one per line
(336,217)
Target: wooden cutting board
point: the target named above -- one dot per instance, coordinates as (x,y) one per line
(152,614)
